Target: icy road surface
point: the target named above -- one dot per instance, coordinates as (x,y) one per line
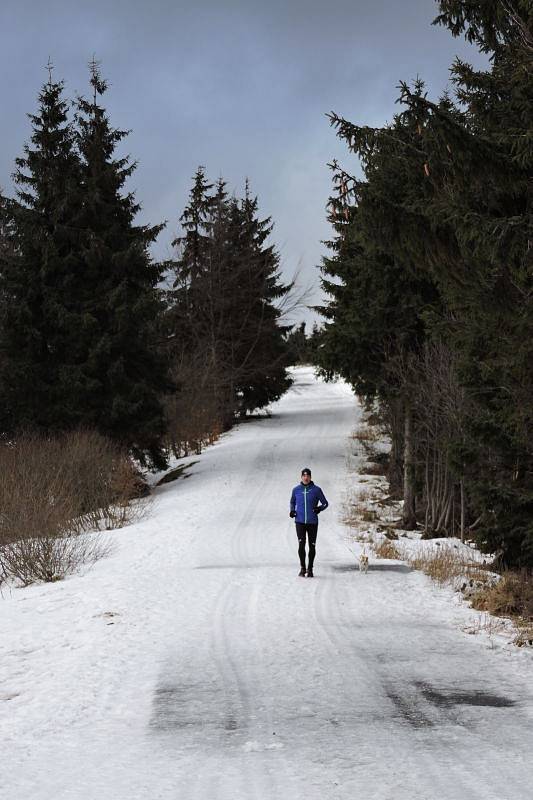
(194,664)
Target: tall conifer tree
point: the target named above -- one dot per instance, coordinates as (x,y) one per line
(121,375)
(223,305)
(261,354)
(462,217)
(39,267)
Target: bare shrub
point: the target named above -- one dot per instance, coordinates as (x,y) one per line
(193,413)
(484,623)
(52,490)
(103,478)
(49,557)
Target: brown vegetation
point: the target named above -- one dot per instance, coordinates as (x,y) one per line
(367,434)
(387,549)
(446,563)
(52,490)
(193,414)
(512,596)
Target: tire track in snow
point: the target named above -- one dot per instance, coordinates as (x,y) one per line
(329,613)
(243,597)
(239,675)
(426,753)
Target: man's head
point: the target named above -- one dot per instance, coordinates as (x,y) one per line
(306,475)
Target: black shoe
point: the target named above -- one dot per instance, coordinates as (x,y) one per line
(301,574)
(310,573)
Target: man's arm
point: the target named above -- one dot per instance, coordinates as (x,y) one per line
(323,502)
(292,511)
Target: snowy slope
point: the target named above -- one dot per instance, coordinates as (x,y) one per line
(222,675)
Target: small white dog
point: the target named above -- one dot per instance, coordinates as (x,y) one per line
(363,562)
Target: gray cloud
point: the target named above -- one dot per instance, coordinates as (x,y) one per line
(241,87)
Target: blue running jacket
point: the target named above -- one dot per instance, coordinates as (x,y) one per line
(305,500)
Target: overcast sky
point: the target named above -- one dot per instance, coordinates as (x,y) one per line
(241,87)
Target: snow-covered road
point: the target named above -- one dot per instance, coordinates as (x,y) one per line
(194,664)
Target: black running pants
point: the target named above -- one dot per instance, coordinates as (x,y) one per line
(304,529)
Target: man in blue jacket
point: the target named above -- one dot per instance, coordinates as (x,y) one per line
(307,501)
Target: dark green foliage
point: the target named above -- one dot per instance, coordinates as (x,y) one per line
(297,343)
(40,267)
(481,163)
(223,309)
(80,288)
(121,375)
(440,233)
(304,347)
(489,23)
(261,356)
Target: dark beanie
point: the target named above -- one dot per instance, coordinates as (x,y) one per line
(306,471)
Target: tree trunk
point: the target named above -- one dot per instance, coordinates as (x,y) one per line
(409,517)
(462,509)
(395,471)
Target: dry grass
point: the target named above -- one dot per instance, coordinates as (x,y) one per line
(524,634)
(387,549)
(511,597)
(355,507)
(445,564)
(375,468)
(484,623)
(366,434)
(364,537)
(356,513)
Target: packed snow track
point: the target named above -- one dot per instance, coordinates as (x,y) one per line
(192,663)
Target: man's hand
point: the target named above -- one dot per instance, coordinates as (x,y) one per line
(292,514)
(317,509)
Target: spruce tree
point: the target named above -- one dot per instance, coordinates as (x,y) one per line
(499,340)
(190,330)
(379,294)
(222,307)
(121,376)
(193,245)
(480,171)
(459,218)
(261,353)
(297,344)
(39,268)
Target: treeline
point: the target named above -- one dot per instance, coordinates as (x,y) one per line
(95,334)
(228,351)
(430,284)
(302,345)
